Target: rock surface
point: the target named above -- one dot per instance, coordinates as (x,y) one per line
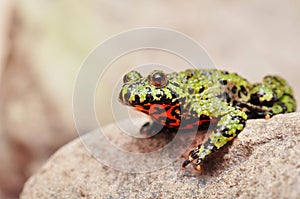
(263,162)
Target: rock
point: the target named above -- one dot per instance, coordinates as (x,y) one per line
(263,162)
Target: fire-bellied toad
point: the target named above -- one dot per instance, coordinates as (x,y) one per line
(188,99)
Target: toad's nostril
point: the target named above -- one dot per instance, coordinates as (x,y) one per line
(125,79)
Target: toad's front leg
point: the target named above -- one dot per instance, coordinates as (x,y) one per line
(228,127)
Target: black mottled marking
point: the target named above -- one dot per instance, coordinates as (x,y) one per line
(224,72)
(201,89)
(168,107)
(196,150)
(174,112)
(224,96)
(149,98)
(193,154)
(283,106)
(244,91)
(190,90)
(235,103)
(227,97)
(224,131)
(288,95)
(146,107)
(276,79)
(254,99)
(126,97)
(239,94)
(130,87)
(175,84)
(168,120)
(158,95)
(163,100)
(185,163)
(189,75)
(204,117)
(237,131)
(136,100)
(223,82)
(148,89)
(234,89)
(239,118)
(174,96)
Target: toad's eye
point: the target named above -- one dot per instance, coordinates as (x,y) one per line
(158,79)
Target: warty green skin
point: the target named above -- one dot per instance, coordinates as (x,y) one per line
(218,95)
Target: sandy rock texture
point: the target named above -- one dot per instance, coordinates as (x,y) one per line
(264,162)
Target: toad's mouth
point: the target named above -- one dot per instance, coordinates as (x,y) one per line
(135,100)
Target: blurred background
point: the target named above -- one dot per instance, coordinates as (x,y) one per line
(43,44)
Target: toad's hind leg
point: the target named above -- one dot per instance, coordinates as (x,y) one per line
(229,125)
(273,96)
